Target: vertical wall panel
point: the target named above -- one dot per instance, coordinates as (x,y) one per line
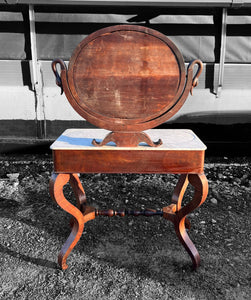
(238,49)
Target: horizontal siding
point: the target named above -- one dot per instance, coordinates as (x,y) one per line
(161,3)
(195,30)
(18,101)
(17,73)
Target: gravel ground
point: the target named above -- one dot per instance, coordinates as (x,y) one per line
(124,258)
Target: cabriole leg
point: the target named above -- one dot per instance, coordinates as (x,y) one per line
(178,214)
(81,214)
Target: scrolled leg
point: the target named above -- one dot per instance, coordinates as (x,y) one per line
(178,217)
(57,182)
(79,195)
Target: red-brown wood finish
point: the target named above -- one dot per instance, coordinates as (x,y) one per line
(127,79)
(127,139)
(81,214)
(175,212)
(128,161)
(178,214)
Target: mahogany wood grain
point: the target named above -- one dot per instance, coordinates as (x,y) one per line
(178,214)
(128,161)
(127,79)
(81,214)
(127,139)
(175,212)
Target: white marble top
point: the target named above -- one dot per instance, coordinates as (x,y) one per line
(173,139)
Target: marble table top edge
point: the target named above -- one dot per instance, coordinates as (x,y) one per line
(173,139)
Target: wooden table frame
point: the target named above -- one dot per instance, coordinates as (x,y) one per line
(187,162)
(127,79)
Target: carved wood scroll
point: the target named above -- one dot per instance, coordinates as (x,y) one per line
(126,79)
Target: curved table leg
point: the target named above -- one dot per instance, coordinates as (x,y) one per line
(178,194)
(81,215)
(79,195)
(177,214)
